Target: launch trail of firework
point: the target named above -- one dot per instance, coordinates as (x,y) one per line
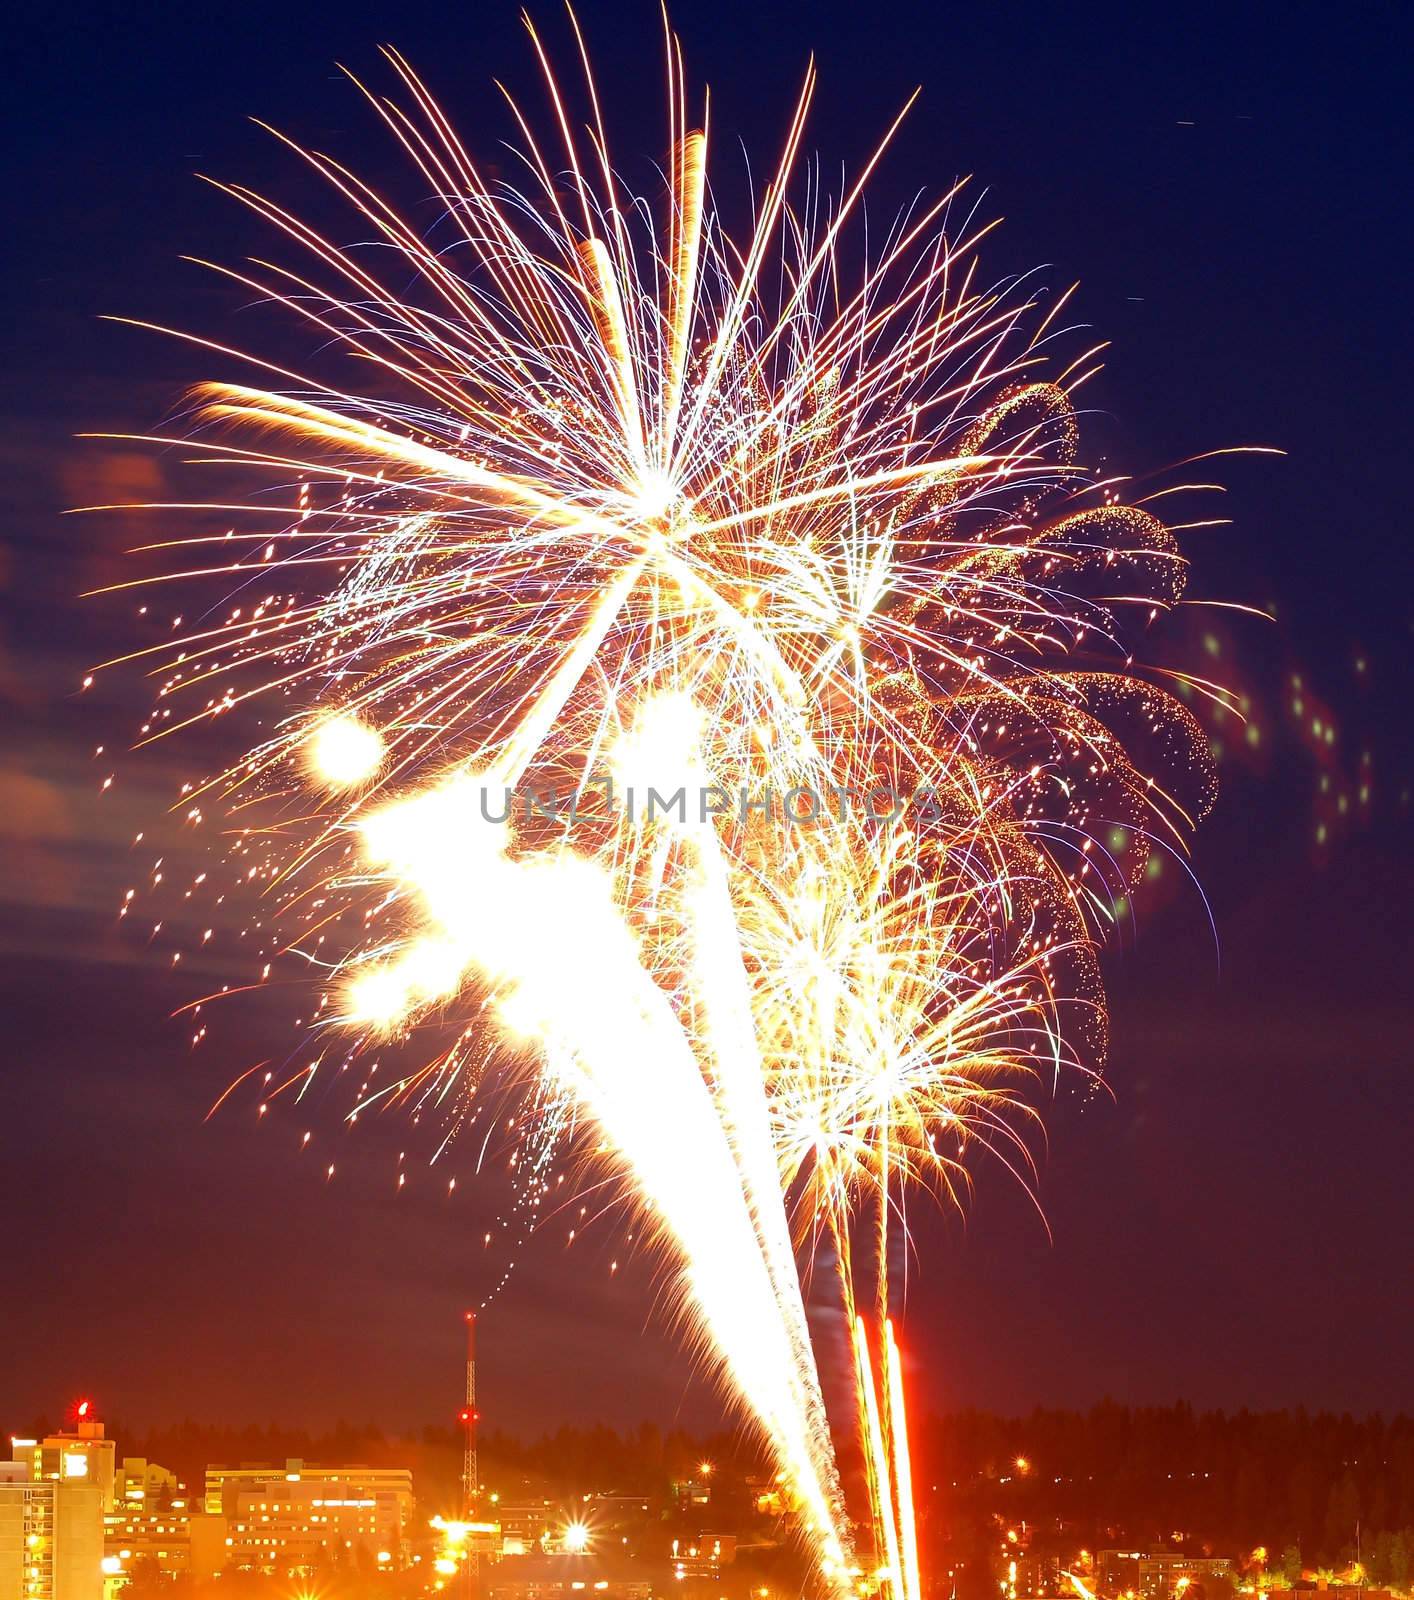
(618,493)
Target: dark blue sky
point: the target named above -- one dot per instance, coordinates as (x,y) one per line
(1230,186)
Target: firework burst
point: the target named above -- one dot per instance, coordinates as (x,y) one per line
(624,500)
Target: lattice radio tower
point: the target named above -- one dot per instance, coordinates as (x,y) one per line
(470,1484)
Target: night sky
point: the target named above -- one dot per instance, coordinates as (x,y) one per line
(1232,1227)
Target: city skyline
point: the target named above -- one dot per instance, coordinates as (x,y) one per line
(1115,1503)
(1227,1228)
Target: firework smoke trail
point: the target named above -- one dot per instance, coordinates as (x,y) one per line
(548,932)
(665,744)
(770,514)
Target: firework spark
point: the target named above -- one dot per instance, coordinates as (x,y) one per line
(779,516)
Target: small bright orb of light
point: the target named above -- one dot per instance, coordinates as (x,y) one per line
(659,748)
(576,1537)
(344,751)
(652,495)
(379,999)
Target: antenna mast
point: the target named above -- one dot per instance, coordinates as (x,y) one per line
(470,1485)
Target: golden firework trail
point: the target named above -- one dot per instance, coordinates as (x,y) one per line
(783,529)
